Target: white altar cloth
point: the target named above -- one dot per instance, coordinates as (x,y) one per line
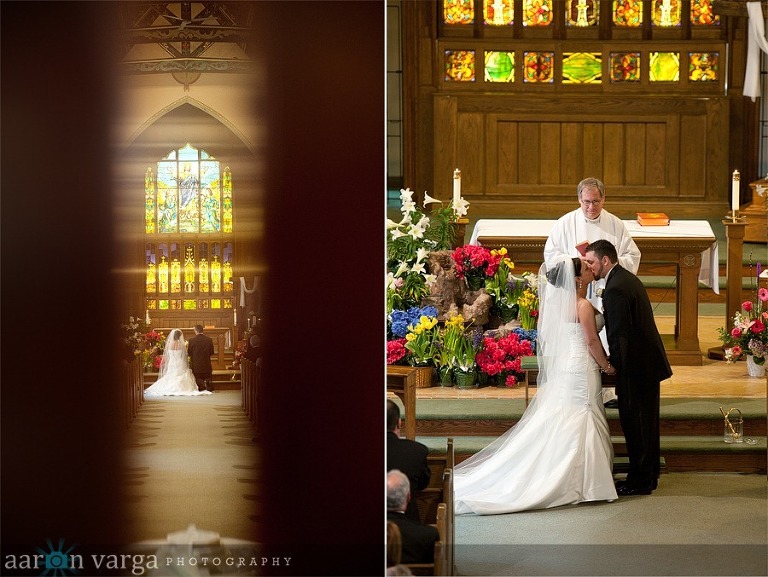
(708,273)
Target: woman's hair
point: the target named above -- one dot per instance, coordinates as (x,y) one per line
(555,276)
(176,334)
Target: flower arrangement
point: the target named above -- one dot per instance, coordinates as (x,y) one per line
(396,351)
(749,334)
(476,263)
(449,342)
(408,244)
(500,357)
(144,342)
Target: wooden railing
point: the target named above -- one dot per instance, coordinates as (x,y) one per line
(132,390)
(250,376)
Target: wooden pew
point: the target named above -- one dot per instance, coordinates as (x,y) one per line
(402,382)
(430,496)
(440,562)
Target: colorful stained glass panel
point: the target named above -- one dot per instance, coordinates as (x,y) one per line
(625,66)
(499,12)
(227,200)
(666,13)
(582,68)
(702,13)
(458,11)
(189,193)
(149,201)
(499,66)
(537,12)
(538,67)
(581,13)
(664,66)
(459,65)
(703,66)
(628,13)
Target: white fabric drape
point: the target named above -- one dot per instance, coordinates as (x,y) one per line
(756,42)
(244,290)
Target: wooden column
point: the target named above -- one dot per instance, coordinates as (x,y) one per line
(734,234)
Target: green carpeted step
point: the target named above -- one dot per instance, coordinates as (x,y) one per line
(505,409)
(465,446)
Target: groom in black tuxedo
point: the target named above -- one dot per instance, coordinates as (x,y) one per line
(637,354)
(200,350)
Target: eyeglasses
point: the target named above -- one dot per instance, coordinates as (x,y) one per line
(597,202)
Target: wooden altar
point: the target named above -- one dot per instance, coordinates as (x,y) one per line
(217,334)
(690,246)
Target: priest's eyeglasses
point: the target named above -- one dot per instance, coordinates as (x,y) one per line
(597,202)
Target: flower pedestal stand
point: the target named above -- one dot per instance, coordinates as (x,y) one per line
(753,368)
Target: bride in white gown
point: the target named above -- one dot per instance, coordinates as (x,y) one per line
(560,451)
(175,377)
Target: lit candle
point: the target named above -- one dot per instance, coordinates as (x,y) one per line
(146,318)
(456,186)
(735,191)
(235,316)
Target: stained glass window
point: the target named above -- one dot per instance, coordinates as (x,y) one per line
(458,11)
(702,13)
(628,13)
(666,13)
(499,66)
(188,194)
(538,67)
(499,12)
(625,66)
(582,68)
(581,13)
(703,66)
(537,12)
(664,66)
(459,65)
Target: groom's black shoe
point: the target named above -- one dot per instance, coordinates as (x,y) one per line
(628,490)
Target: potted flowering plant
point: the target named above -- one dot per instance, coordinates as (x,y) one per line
(474,264)
(749,334)
(465,372)
(504,287)
(420,341)
(408,244)
(449,348)
(499,358)
(529,302)
(144,343)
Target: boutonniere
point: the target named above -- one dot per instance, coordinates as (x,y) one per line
(599,292)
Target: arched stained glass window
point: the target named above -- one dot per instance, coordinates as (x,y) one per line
(189,193)
(188,218)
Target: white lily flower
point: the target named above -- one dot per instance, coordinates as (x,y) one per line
(391,224)
(460,207)
(401,269)
(421,254)
(406,195)
(429,200)
(390,281)
(430,279)
(416,231)
(418,268)
(408,207)
(396,233)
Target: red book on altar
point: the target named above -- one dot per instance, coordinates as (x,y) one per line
(652,219)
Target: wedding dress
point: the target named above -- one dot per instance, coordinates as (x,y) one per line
(175,377)
(560,451)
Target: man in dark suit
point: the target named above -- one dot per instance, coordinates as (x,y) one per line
(200,350)
(418,539)
(638,356)
(407,456)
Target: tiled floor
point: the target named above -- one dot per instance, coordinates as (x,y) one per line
(714,378)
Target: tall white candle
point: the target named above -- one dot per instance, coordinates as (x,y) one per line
(146,317)
(235,316)
(456,185)
(735,190)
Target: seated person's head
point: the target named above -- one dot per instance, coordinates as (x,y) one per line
(398,490)
(394,544)
(393,416)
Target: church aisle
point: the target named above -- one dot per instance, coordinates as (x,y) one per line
(192,460)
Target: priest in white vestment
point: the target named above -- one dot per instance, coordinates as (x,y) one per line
(588,223)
